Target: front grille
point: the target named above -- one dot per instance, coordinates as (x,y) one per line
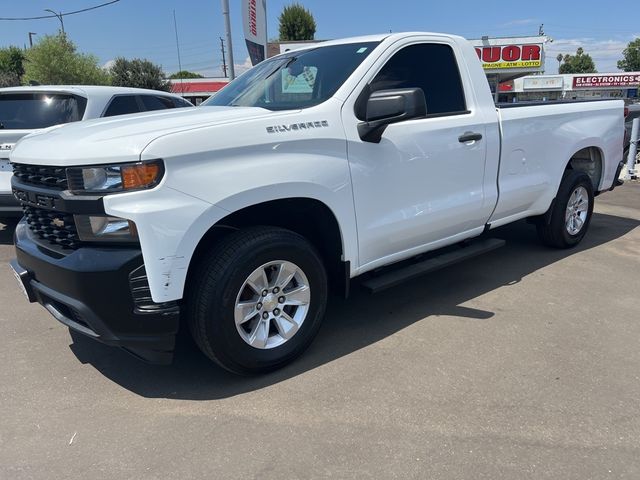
(40,176)
(54,227)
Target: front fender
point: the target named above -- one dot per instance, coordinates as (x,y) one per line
(168,222)
(171,224)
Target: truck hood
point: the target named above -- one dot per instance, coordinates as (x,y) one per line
(120,139)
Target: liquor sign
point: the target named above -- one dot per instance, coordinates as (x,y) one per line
(510,56)
(602,81)
(254,19)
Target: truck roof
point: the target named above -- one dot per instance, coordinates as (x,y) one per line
(374,38)
(83,90)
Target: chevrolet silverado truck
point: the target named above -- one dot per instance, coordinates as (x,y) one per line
(26,109)
(239,217)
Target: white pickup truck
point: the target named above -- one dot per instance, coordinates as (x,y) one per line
(314,167)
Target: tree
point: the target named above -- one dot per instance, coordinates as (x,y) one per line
(579,63)
(185,74)
(296,23)
(138,73)
(54,60)
(11,66)
(631,60)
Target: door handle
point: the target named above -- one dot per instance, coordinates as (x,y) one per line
(469,137)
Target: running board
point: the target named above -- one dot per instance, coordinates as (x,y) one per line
(396,277)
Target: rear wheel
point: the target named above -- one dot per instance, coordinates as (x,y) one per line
(257,300)
(571,212)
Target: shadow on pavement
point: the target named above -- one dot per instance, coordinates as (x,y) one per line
(357,322)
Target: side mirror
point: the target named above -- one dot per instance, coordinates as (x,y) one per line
(385,107)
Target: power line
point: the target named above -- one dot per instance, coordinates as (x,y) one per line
(61,13)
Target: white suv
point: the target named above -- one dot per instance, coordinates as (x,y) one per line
(26,109)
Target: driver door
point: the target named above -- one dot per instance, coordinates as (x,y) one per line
(421,186)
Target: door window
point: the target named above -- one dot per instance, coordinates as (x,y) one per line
(431,67)
(152,102)
(121,105)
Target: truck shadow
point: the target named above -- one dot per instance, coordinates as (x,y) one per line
(356,323)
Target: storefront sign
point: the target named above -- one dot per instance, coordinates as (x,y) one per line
(510,56)
(543,83)
(600,81)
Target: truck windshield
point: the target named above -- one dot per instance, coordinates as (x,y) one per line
(39,110)
(295,80)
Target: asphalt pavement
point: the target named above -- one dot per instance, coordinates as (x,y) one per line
(523,363)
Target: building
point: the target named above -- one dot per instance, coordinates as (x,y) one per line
(197,90)
(508,58)
(621,85)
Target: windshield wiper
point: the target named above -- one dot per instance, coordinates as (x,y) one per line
(280,68)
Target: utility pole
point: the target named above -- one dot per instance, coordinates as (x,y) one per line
(227,26)
(175,27)
(224,60)
(59,15)
(31,34)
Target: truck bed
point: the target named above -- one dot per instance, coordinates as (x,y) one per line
(528,175)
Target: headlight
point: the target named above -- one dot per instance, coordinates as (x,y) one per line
(101,228)
(115,178)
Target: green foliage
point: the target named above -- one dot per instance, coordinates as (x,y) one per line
(138,73)
(11,64)
(631,57)
(185,74)
(579,63)
(296,23)
(54,60)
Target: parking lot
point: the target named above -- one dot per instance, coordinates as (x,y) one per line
(523,363)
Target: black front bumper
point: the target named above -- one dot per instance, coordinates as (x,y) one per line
(9,206)
(100,292)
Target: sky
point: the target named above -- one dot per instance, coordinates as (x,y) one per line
(145,29)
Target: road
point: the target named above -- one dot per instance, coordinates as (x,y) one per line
(523,363)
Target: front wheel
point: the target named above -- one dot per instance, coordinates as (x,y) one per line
(257,300)
(570,213)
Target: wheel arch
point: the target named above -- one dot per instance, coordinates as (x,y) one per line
(590,160)
(307,216)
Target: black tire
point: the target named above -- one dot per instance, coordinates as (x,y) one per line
(212,294)
(553,232)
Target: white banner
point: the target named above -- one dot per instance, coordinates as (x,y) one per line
(254,20)
(540,82)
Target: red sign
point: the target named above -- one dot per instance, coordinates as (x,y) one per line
(510,56)
(621,80)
